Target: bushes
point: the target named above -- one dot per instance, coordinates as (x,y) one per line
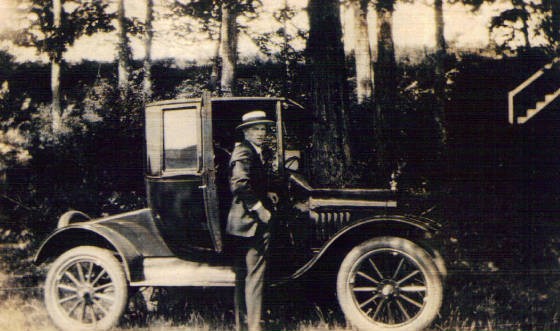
(94,164)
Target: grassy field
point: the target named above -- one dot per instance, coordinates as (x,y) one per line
(22,308)
(489,300)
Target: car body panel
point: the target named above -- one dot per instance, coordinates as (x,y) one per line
(366,227)
(209,187)
(132,235)
(178,207)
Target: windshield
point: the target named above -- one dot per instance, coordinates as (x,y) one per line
(297,132)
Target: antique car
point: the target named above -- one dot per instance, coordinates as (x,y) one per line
(381,265)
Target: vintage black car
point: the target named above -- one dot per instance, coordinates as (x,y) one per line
(386,274)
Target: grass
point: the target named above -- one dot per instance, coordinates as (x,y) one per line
(17,314)
(490,300)
(24,311)
(195,309)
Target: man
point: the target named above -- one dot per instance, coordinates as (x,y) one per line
(249,216)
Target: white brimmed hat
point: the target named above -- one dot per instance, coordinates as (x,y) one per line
(252,118)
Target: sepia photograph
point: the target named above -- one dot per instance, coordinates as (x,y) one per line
(279,165)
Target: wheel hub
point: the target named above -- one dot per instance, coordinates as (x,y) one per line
(388,288)
(86,293)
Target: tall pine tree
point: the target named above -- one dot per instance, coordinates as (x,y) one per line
(325,56)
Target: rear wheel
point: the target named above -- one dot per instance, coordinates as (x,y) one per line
(86,289)
(389,283)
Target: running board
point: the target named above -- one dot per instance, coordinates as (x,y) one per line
(172,271)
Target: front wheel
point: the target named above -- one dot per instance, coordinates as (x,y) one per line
(86,289)
(389,283)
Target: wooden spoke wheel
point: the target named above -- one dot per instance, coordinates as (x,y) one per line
(389,283)
(86,289)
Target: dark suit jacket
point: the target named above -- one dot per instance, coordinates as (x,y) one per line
(249,185)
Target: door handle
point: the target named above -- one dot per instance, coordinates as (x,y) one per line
(202,186)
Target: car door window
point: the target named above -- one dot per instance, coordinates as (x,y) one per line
(180,139)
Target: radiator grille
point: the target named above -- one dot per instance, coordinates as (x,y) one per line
(328,223)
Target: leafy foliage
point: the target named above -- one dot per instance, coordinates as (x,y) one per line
(550,24)
(83,18)
(13,148)
(208,12)
(94,165)
(280,41)
(510,19)
(13,143)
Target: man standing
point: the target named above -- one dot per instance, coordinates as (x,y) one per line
(249,216)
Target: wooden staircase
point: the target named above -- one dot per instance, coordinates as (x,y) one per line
(534,94)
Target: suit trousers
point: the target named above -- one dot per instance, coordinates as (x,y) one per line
(250,266)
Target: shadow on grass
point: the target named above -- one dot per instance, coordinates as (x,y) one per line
(501,300)
(285,308)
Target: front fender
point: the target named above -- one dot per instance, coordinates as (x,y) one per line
(66,238)
(406,226)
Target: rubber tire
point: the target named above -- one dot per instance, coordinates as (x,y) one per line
(112,266)
(433,299)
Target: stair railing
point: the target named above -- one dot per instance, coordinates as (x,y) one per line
(511,94)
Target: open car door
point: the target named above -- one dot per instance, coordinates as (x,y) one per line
(211,202)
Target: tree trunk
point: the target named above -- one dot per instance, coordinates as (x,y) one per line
(439,86)
(386,125)
(55,91)
(56,111)
(147,82)
(521,5)
(123,49)
(386,63)
(3,178)
(285,52)
(362,51)
(525,31)
(215,66)
(331,151)
(228,47)
(441,46)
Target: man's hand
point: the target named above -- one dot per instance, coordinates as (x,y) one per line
(263,214)
(273,197)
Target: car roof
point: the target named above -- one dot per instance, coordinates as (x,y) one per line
(223,99)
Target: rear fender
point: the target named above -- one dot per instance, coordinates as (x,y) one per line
(418,229)
(77,235)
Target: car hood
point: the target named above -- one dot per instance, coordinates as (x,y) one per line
(349,198)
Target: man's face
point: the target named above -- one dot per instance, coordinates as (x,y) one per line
(255,134)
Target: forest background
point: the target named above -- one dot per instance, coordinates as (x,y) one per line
(432,117)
